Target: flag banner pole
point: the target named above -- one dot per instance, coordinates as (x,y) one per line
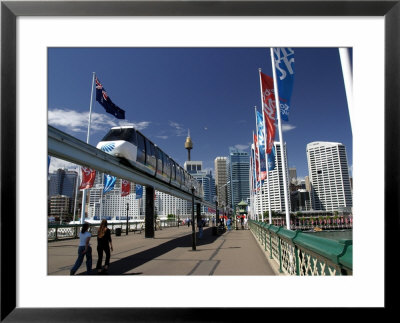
(256,179)
(76,192)
(265,146)
(87,141)
(259,168)
(253,208)
(278,112)
(344,54)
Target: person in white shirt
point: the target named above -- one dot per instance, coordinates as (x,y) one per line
(84,249)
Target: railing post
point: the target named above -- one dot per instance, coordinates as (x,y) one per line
(296,250)
(265,240)
(270,245)
(280,255)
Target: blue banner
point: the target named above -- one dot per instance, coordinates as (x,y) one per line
(253,164)
(109,182)
(271,159)
(139,191)
(284,63)
(261,145)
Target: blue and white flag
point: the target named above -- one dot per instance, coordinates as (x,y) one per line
(261,145)
(139,191)
(284,64)
(271,159)
(109,182)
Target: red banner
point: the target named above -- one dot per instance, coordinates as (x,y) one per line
(268,109)
(88,176)
(125,188)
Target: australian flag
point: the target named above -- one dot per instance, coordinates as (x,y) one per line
(103,98)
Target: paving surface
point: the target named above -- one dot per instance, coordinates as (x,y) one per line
(170,252)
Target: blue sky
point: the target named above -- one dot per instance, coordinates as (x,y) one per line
(211,91)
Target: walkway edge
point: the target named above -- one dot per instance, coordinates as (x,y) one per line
(272,263)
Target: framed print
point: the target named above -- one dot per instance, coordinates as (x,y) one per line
(28,27)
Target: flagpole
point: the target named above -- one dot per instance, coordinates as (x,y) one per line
(266,146)
(87,141)
(278,112)
(76,192)
(259,168)
(255,188)
(347,77)
(101,196)
(251,183)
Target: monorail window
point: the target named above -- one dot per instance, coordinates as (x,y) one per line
(151,154)
(141,150)
(159,160)
(173,168)
(167,166)
(178,174)
(126,134)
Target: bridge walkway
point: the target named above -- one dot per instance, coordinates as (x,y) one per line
(235,252)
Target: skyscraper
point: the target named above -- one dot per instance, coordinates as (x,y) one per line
(293,175)
(276,188)
(221,179)
(208,184)
(63,182)
(239,166)
(329,176)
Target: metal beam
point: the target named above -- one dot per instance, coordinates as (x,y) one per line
(69,148)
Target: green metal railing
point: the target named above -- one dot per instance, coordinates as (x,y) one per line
(71,231)
(302,254)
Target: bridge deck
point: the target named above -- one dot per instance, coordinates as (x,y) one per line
(235,252)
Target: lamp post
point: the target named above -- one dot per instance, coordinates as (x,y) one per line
(127,212)
(216,210)
(193,225)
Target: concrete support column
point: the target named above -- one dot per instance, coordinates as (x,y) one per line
(149,213)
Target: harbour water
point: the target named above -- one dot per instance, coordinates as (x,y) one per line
(334,234)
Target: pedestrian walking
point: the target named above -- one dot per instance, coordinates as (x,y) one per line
(104,243)
(84,249)
(242,222)
(188,222)
(200,224)
(228,224)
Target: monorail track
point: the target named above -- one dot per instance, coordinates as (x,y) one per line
(69,148)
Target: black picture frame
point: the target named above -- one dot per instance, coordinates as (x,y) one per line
(10,10)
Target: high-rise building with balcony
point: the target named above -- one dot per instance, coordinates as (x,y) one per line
(329,176)
(221,180)
(239,166)
(112,205)
(276,188)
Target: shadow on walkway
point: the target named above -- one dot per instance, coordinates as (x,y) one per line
(124,265)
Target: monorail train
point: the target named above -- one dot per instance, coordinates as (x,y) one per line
(128,143)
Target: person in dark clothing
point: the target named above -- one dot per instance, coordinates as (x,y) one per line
(104,243)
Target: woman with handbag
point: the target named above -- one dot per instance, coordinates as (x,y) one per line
(104,243)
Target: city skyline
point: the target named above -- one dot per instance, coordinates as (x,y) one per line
(211,91)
